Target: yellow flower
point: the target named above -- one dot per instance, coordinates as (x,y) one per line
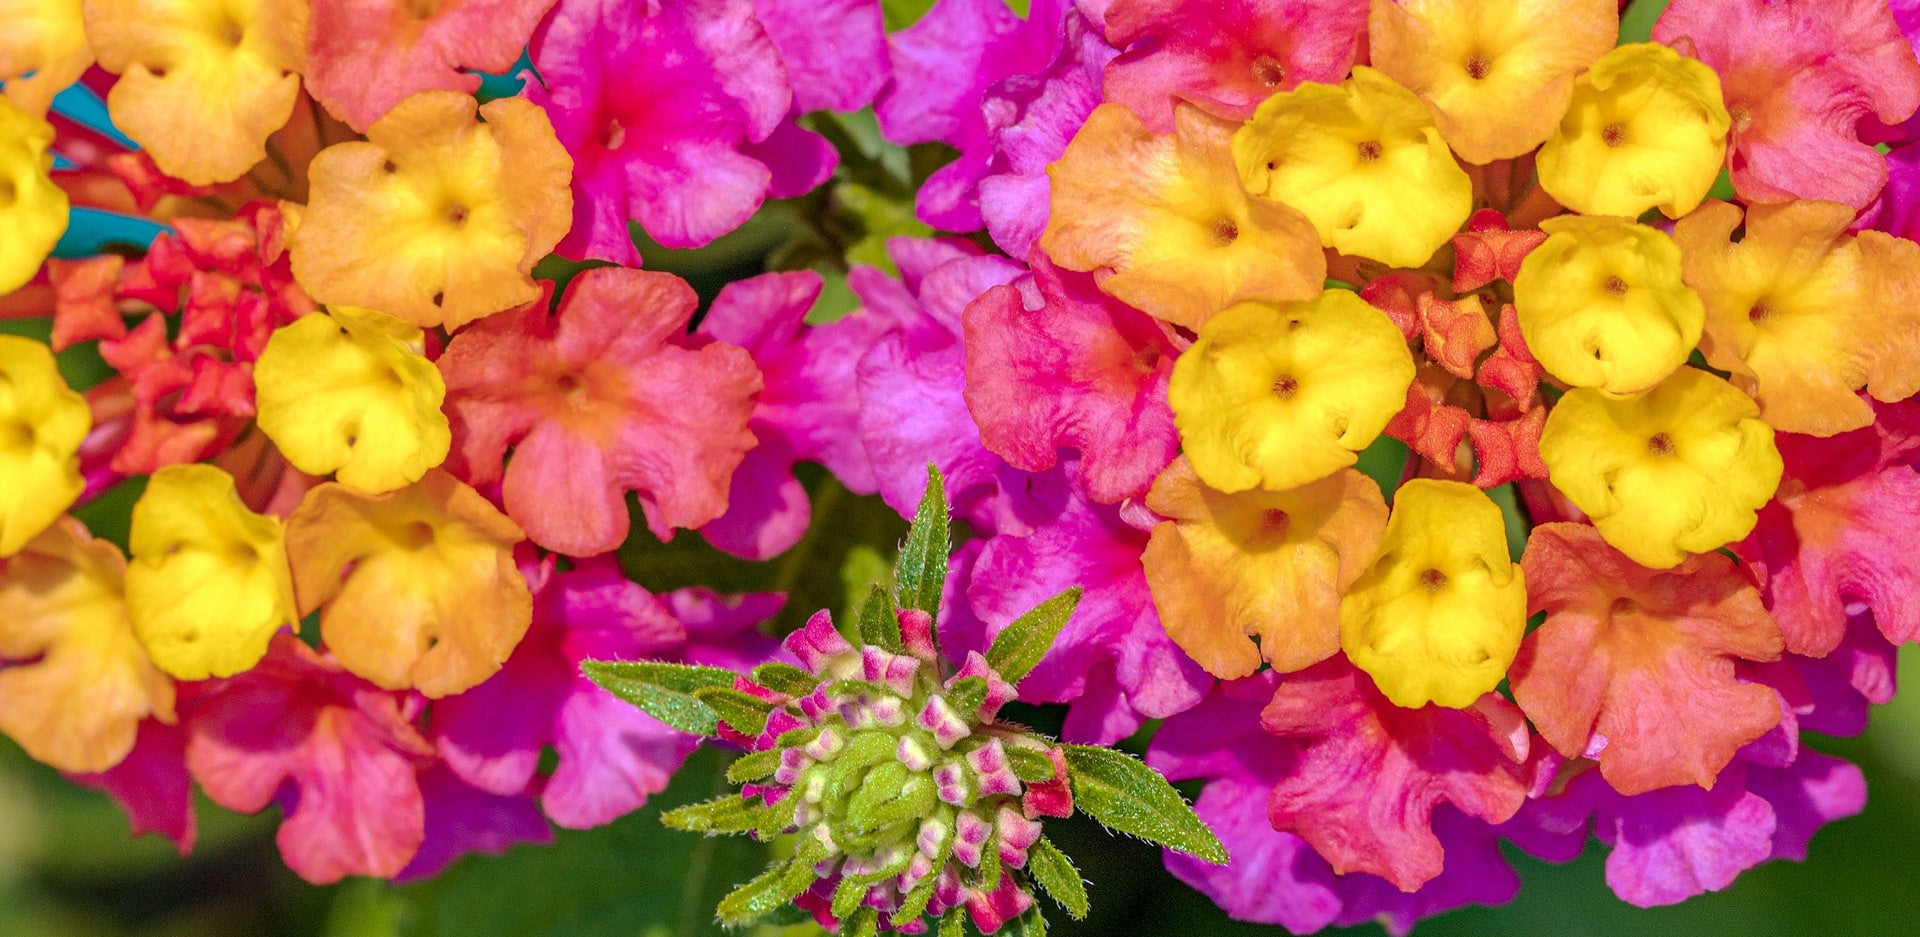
(209,583)
(42,50)
(203,83)
(1497,73)
(1601,304)
(1646,130)
(33,211)
(1364,161)
(42,423)
(77,683)
(1277,396)
(1803,314)
(1679,469)
(1165,213)
(346,391)
(1439,615)
(439,215)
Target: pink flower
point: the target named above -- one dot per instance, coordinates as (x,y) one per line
(1225,56)
(1054,363)
(461,819)
(597,400)
(835,51)
(1798,77)
(809,409)
(689,145)
(152,785)
(942,67)
(337,753)
(1113,662)
(612,756)
(365,56)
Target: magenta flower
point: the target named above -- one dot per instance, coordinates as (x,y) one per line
(612,756)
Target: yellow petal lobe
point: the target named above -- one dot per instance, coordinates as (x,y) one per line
(1680,469)
(417,588)
(77,683)
(1601,304)
(209,583)
(33,211)
(1439,615)
(440,214)
(1164,223)
(203,83)
(42,51)
(1497,74)
(1364,161)
(1227,568)
(1646,129)
(346,391)
(42,423)
(1277,396)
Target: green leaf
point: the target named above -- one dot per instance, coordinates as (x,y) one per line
(753,766)
(879,623)
(746,713)
(663,691)
(922,570)
(846,897)
(785,679)
(1126,796)
(1019,647)
(991,868)
(767,893)
(967,693)
(728,813)
(1030,924)
(1055,873)
(862,923)
(1029,765)
(954,924)
(901,14)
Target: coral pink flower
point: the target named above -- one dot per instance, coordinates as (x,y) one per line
(1798,78)
(365,56)
(339,754)
(598,400)
(1053,363)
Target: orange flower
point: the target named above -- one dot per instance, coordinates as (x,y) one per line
(1227,567)
(439,217)
(82,682)
(42,50)
(416,588)
(1165,224)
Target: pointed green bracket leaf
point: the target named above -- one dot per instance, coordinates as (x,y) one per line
(1019,646)
(922,571)
(663,691)
(1055,873)
(1126,796)
(966,694)
(753,766)
(954,924)
(784,678)
(862,923)
(767,893)
(747,714)
(879,623)
(730,813)
(1030,766)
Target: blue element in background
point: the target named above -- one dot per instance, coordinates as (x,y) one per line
(91,229)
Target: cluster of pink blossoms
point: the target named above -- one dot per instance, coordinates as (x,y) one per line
(1661,297)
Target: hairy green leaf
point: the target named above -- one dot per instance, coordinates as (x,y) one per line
(862,923)
(1126,796)
(966,694)
(879,623)
(746,713)
(846,897)
(784,678)
(1055,873)
(1019,647)
(753,766)
(767,893)
(663,691)
(922,570)
(729,813)
(1029,765)
(954,924)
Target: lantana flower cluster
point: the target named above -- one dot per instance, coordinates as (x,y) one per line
(1624,333)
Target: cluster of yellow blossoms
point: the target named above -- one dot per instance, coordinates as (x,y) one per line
(1285,383)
